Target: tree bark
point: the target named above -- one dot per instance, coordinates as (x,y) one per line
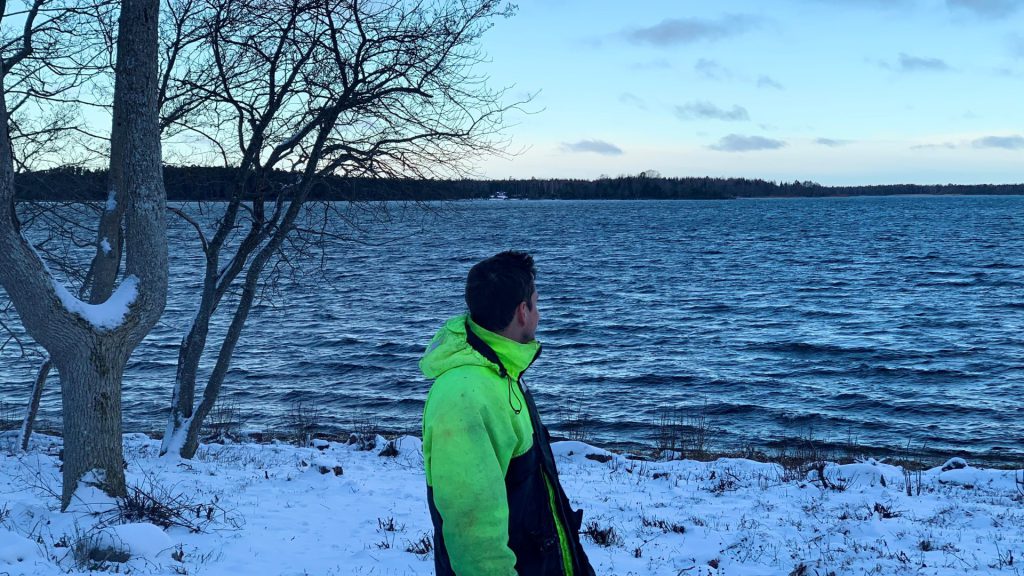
(91,399)
(33,404)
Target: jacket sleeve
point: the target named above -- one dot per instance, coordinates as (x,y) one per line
(470,453)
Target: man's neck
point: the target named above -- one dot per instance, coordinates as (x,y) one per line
(512,333)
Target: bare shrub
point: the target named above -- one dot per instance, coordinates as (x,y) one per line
(1003,559)
(806,456)
(387,528)
(662,525)
(163,506)
(912,481)
(605,537)
(885,512)
(727,481)
(9,419)
(89,554)
(669,427)
(681,433)
(223,423)
(388,525)
(422,546)
(799,570)
(576,421)
(364,433)
(303,423)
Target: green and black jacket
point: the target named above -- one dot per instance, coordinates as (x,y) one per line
(492,486)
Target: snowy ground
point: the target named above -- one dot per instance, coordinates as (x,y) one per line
(279,509)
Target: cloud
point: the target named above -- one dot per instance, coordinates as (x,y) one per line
(677,31)
(630,99)
(870,4)
(708,111)
(986,8)
(659,64)
(596,146)
(1017,46)
(738,143)
(1005,142)
(943,146)
(832,143)
(768,82)
(909,63)
(712,70)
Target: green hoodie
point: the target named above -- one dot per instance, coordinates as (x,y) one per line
(475,422)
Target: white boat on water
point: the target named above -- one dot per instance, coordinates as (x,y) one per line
(499,196)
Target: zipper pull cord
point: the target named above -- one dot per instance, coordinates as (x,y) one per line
(512,394)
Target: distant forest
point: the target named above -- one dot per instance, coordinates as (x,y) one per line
(213,184)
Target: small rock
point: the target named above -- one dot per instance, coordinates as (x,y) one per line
(364,442)
(389,451)
(954,464)
(602,458)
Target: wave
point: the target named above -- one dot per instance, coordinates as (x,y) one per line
(912,372)
(811,349)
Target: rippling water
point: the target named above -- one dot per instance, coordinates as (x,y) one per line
(887,321)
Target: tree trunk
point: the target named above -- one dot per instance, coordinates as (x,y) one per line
(186,436)
(192,346)
(190,442)
(91,398)
(33,405)
(212,391)
(227,350)
(90,355)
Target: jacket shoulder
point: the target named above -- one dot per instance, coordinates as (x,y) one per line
(467,381)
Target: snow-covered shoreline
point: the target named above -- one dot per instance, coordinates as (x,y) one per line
(335,509)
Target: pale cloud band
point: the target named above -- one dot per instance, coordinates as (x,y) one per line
(908,63)
(1005,142)
(707,111)
(594,146)
(832,142)
(740,143)
(987,8)
(676,31)
(768,82)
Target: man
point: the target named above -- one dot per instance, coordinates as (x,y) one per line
(495,500)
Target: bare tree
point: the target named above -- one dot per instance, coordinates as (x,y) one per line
(314,89)
(90,343)
(69,61)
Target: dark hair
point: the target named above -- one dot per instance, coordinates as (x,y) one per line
(496,286)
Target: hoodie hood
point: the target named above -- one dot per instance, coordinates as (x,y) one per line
(449,349)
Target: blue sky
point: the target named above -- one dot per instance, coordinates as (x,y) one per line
(835,91)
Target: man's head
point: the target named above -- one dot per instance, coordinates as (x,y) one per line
(502,297)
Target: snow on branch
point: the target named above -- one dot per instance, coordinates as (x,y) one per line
(108,315)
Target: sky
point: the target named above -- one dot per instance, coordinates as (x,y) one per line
(840,92)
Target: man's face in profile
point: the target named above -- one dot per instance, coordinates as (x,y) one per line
(532,319)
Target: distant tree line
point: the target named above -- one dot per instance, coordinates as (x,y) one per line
(201,183)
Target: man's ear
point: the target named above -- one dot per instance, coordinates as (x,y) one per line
(521,313)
